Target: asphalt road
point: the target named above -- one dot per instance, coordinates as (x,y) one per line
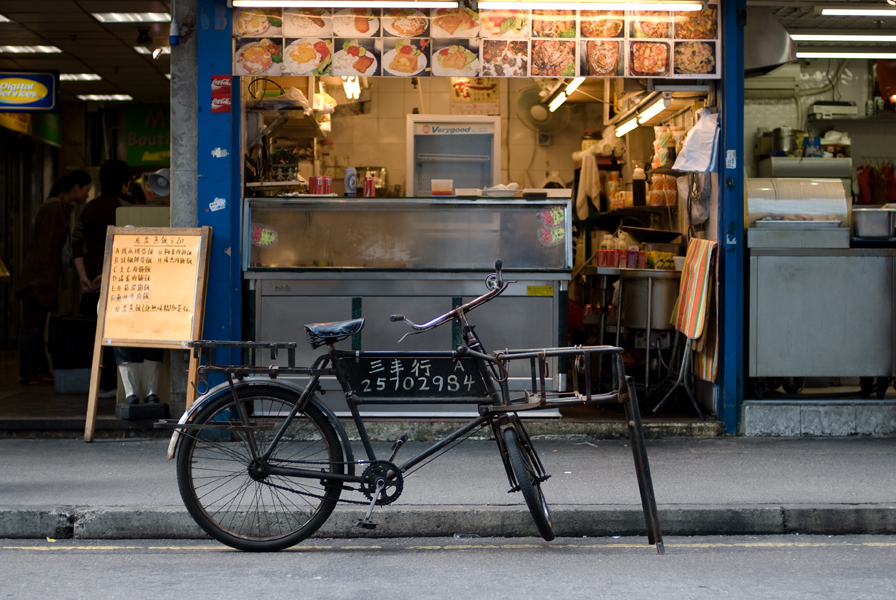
(786,567)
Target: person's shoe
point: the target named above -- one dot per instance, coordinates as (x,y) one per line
(152,399)
(38,380)
(108,393)
(132,399)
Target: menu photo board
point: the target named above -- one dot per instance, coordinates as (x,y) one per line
(152,295)
(461,42)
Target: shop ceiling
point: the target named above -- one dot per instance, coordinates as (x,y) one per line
(107,49)
(89,46)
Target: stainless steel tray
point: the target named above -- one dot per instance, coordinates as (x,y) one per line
(797,224)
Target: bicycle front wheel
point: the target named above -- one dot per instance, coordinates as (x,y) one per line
(229,493)
(526,478)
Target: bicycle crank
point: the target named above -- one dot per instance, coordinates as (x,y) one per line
(382,483)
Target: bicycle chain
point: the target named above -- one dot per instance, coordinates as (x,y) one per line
(309,494)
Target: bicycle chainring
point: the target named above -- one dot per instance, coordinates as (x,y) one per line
(391,476)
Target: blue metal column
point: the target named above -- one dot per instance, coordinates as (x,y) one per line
(218,148)
(731,216)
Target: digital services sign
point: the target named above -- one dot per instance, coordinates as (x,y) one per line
(29,91)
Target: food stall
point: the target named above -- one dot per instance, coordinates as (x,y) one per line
(318,254)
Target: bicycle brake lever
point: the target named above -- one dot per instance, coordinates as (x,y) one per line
(498,264)
(394,318)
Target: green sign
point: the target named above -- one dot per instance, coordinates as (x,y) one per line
(47,127)
(147,135)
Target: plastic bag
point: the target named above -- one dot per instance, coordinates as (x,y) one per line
(700,147)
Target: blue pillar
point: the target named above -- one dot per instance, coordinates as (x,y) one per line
(731,216)
(219,195)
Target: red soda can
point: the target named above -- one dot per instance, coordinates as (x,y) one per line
(318,185)
(328,185)
(369,187)
(312,185)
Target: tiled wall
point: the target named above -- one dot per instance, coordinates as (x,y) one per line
(379,138)
(870,138)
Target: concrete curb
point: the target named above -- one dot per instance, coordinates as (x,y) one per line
(63,522)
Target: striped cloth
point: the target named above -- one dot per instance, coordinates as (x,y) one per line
(694,306)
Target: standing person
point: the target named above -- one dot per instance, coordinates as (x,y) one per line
(139,367)
(39,280)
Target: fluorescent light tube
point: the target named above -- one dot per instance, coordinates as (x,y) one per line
(29,50)
(626,127)
(4,19)
(345,4)
(145,50)
(79,77)
(586,5)
(132,17)
(652,111)
(556,102)
(104,97)
(841,37)
(574,85)
(846,54)
(859,10)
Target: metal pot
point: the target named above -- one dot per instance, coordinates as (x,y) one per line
(782,139)
(874,223)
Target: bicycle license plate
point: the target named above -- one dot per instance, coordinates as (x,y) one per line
(406,376)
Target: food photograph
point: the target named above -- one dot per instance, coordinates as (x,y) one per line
(455,58)
(307,22)
(356,22)
(307,56)
(454,23)
(553,58)
(357,57)
(405,22)
(406,57)
(504,23)
(650,24)
(601,58)
(698,25)
(253,22)
(648,59)
(695,58)
(602,23)
(258,57)
(505,58)
(553,23)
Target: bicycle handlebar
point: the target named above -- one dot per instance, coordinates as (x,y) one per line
(499,287)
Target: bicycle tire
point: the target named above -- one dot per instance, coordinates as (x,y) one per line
(251,512)
(524,473)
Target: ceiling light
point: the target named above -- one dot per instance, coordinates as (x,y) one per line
(79,77)
(145,50)
(347,3)
(168,75)
(846,54)
(574,85)
(842,37)
(156,53)
(587,4)
(656,108)
(132,17)
(857,10)
(4,19)
(556,102)
(626,127)
(29,49)
(352,87)
(104,97)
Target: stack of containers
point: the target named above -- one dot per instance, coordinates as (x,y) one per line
(663,191)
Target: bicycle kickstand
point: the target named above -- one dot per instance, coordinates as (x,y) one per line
(366,523)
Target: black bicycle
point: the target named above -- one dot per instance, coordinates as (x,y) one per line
(262,462)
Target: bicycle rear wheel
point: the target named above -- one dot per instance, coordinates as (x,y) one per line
(526,477)
(229,494)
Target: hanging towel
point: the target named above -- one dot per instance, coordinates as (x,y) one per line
(589,187)
(695,316)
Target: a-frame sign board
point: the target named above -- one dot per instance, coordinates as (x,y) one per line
(152,296)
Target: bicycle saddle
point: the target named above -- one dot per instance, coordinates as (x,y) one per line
(322,333)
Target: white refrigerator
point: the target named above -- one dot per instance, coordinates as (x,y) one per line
(466,149)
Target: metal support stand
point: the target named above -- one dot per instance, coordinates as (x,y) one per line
(683,379)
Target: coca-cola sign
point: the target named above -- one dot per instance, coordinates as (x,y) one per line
(221,93)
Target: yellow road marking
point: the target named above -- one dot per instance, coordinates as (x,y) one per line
(608,545)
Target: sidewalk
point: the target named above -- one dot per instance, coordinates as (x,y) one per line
(62,488)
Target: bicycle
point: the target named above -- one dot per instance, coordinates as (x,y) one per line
(262,462)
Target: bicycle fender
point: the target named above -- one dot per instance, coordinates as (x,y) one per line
(224,387)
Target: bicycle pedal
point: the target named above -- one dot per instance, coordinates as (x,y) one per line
(364,524)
